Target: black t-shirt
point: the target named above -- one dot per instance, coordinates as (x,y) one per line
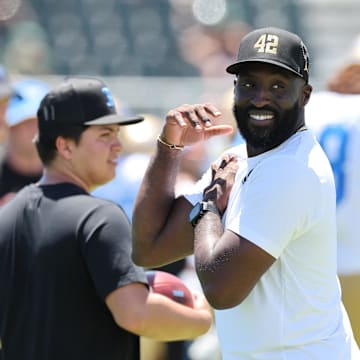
(62,252)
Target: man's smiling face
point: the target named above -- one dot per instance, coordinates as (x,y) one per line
(267,105)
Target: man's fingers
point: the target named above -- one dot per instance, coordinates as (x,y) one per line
(177,116)
(211,109)
(206,112)
(217,130)
(189,124)
(198,115)
(194,118)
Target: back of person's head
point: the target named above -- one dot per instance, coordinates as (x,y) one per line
(346,80)
(72,106)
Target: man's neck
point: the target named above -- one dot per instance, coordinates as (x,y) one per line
(53,175)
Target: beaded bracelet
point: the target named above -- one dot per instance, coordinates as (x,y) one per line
(170,146)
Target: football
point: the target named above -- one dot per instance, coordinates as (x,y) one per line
(167,284)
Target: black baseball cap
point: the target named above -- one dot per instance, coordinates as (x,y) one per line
(81,101)
(273,46)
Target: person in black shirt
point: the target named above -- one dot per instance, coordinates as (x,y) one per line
(70,289)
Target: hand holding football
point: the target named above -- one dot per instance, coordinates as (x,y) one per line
(171,286)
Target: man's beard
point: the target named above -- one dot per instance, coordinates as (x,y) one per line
(263,137)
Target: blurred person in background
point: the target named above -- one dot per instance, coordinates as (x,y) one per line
(21,164)
(217,48)
(334,116)
(6,91)
(26,50)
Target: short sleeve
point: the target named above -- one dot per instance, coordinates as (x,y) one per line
(106,245)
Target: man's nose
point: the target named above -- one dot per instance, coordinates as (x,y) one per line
(261,97)
(118,145)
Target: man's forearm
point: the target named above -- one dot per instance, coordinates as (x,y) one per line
(154,200)
(161,230)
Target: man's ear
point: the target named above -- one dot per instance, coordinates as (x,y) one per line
(306,93)
(64,147)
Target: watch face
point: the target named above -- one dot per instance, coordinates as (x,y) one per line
(194,213)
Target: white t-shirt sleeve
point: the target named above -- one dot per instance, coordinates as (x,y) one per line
(195,193)
(274,205)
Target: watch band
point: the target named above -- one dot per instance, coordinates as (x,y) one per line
(210,206)
(200,209)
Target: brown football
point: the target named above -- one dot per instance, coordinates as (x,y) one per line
(167,284)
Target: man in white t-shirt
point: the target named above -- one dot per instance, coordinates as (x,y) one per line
(334,116)
(262,221)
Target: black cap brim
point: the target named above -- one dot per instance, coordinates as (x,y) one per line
(235,68)
(115,119)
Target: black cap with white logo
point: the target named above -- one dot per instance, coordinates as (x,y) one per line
(273,46)
(81,101)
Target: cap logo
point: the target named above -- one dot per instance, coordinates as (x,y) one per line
(267,43)
(45,113)
(48,112)
(306,57)
(109,98)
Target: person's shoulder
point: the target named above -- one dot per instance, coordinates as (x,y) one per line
(94,210)
(30,191)
(282,162)
(107,207)
(292,156)
(72,197)
(289,175)
(13,205)
(104,203)
(296,147)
